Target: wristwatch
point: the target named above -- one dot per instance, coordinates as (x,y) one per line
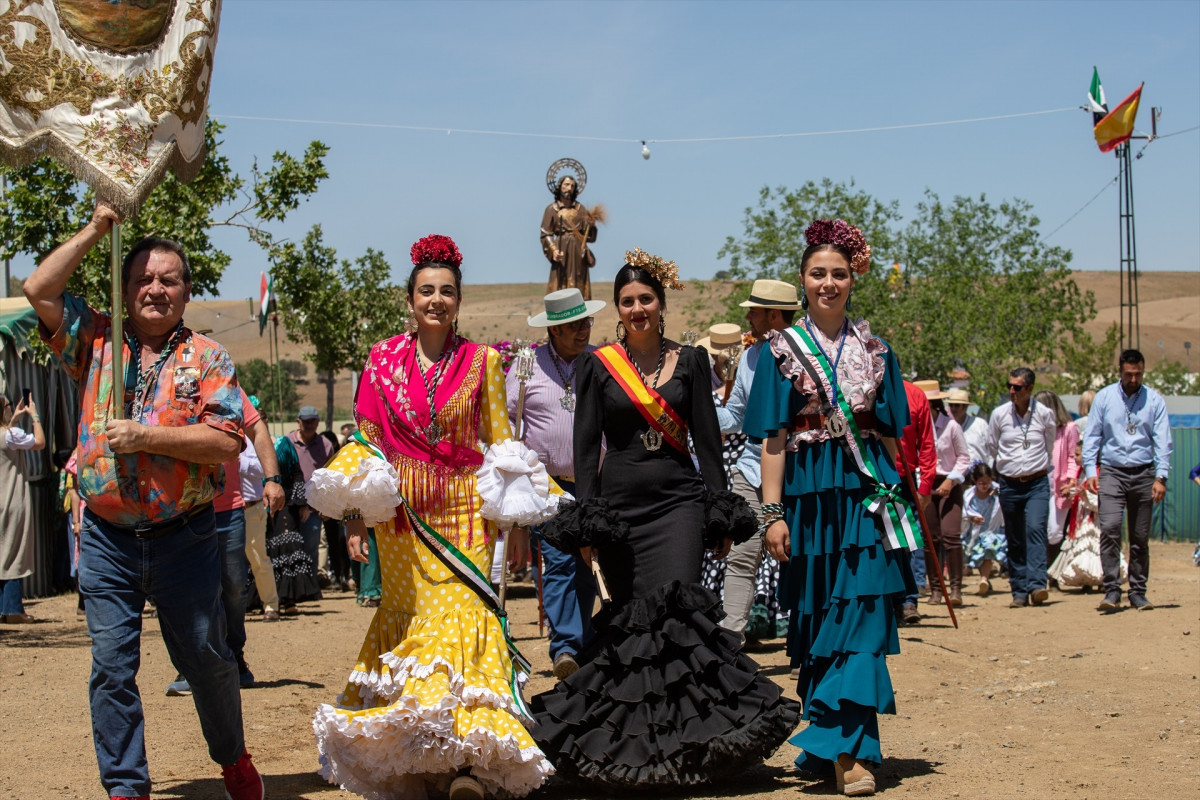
(273,479)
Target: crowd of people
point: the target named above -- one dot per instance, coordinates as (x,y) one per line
(680,502)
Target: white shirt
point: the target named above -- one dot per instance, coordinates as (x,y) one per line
(953,460)
(1021,445)
(17,439)
(251,472)
(975,431)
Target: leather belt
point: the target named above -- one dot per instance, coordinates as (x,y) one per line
(1033,476)
(253,503)
(865,420)
(157,530)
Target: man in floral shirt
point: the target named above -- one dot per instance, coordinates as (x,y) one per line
(149,476)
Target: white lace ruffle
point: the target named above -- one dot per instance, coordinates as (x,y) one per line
(515,487)
(403,750)
(372,489)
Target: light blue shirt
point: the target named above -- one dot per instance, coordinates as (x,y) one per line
(730,416)
(1108,437)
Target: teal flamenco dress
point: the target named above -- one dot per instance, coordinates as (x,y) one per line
(840,579)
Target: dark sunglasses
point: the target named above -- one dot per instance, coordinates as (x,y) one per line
(1016,387)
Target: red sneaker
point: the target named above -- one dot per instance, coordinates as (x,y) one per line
(242,781)
(123,797)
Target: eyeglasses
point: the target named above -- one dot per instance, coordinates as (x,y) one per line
(1016,387)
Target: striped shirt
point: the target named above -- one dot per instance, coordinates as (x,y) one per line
(548,426)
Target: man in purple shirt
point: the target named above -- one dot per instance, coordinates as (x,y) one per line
(546,425)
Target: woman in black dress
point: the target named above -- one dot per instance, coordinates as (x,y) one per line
(664,697)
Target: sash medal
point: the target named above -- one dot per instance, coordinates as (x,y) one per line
(665,422)
(899,526)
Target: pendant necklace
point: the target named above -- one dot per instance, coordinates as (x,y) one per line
(1025,425)
(652,439)
(835,421)
(433,431)
(567,401)
(1130,422)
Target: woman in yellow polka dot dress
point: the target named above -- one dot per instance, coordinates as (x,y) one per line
(433,704)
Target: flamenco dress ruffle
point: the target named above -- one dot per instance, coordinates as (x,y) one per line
(663,697)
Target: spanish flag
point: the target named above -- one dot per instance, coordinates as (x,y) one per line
(1116,128)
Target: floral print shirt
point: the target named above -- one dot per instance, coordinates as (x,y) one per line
(195,385)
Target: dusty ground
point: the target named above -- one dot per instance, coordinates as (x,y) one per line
(1046,702)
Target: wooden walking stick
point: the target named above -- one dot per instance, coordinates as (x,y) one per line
(937,567)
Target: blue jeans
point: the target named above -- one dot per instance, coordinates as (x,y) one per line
(182,572)
(231,542)
(10,597)
(1026,509)
(567,593)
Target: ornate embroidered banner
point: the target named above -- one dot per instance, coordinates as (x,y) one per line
(114,90)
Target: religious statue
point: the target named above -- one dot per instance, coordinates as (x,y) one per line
(568,227)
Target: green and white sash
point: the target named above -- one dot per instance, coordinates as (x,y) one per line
(465,570)
(900,528)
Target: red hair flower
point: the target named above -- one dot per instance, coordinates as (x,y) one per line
(436,247)
(843,234)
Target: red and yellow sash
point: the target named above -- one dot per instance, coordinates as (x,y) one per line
(648,402)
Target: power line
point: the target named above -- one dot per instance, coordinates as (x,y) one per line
(480,132)
(1103,189)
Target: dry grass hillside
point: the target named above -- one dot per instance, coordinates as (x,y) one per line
(1169,304)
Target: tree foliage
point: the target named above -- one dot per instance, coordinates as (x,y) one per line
(337,307)
(275,388)
(44,205)
(1171,378)
(973,287)
(1086,363)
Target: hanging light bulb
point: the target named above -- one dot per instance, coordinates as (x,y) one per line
(645,150)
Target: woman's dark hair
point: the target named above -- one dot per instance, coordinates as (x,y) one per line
(981,470)
(412,276)
(813,249)
(629,274)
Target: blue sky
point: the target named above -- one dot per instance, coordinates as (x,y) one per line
(671,70)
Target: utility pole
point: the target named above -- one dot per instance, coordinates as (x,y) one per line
(1131,334)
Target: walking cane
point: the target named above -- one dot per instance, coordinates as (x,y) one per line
(937,567)
(523,364)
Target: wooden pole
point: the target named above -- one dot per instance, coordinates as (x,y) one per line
(118,333)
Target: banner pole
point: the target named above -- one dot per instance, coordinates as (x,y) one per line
(118,333)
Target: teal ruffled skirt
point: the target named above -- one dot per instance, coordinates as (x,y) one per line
(839,586)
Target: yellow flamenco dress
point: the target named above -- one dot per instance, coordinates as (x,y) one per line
(434,692)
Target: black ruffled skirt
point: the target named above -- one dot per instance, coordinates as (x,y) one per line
(664,697)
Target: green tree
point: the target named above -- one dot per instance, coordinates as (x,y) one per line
(1086,363)
(1172,378)
(275,388)
(978,291)
(44,205)
(337,307)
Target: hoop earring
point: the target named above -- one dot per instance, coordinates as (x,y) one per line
(621,333)
(455,326)
(849,297)
(662,324)
(804,299)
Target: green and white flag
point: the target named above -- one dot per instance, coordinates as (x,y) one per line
(1096,102)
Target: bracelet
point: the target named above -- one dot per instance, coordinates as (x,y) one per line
(772,513)
(351,513)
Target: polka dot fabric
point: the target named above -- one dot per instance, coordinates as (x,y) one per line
(430,692)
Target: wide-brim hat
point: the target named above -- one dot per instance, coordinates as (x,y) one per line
(931,389)
(721,337)
(767,293)
(958,397)
(563,306)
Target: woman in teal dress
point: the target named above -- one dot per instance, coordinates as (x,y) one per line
(828,416)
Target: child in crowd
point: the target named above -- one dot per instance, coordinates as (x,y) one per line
(983,527)
(1078,564)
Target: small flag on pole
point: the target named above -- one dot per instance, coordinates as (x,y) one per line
(1096,102)
(266,288)
(1117,126)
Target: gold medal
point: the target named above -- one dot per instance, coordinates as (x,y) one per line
(652,440)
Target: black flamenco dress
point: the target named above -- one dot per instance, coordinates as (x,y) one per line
(664,696)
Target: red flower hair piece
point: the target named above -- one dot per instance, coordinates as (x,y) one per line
(436,247)
(842,234)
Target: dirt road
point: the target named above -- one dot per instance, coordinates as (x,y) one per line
(1048,702)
